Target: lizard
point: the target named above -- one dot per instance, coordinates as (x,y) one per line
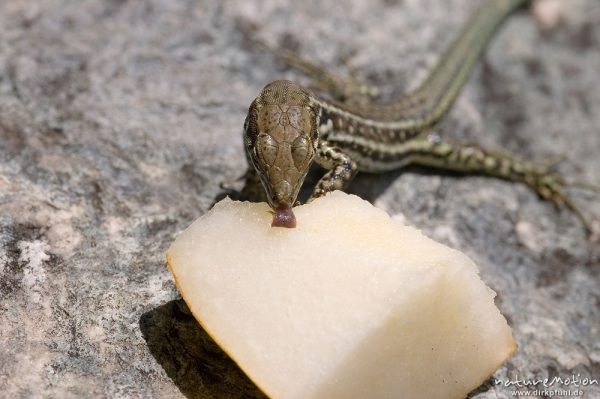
(288,127)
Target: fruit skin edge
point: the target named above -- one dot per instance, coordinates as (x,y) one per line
(510,353)
(207,330)
(204,327)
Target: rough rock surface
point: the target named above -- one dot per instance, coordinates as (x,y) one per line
(119,120)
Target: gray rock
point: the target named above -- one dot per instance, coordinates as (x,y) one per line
(119,120)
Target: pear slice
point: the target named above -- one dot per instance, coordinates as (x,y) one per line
(350,304)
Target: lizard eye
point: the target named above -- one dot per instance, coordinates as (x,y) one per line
(266,149)
(300,151)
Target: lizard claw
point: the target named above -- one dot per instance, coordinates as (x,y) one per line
(550,186)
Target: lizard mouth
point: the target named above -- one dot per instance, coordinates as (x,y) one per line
(284,217)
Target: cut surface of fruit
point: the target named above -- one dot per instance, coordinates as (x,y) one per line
(349,304)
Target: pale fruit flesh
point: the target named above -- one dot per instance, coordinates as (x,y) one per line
(349,304)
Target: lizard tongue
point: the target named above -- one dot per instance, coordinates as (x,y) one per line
(284,218)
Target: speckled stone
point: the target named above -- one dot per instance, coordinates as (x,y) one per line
(120,119)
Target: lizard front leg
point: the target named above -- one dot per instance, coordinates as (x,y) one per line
(346,90)
(342,169)
(253,190)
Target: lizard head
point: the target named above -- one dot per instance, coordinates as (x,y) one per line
(280,137)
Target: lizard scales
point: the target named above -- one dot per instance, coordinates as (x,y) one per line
(288,127)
